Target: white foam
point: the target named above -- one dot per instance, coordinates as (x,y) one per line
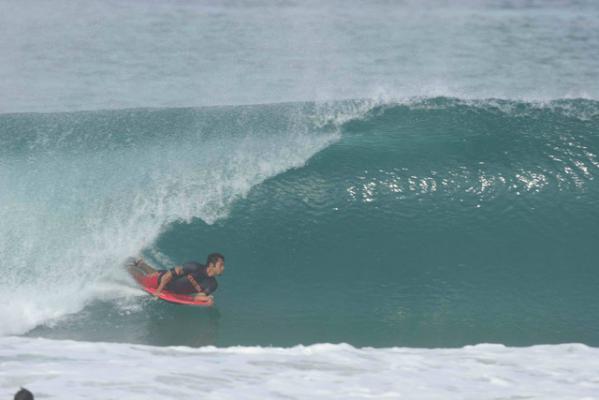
(72,216)
(82,370)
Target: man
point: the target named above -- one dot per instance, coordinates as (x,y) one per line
(192,278)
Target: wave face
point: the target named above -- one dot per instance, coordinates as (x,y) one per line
(434,222)
(82,191)
(66,369)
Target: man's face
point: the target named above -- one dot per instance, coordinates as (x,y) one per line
(219,267)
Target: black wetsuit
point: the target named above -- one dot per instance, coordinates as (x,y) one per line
(192,270)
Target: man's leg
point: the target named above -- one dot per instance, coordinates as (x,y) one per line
(144,267)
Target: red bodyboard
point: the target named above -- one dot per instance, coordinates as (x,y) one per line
(173,297)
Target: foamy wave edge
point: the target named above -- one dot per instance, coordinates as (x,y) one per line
(77,370)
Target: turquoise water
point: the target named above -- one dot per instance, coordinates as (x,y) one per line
(418,174)
(413,178)
(437,222)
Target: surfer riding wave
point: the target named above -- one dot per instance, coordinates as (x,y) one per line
(191,278)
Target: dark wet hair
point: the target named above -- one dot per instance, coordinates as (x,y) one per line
(23,394)
(214,257)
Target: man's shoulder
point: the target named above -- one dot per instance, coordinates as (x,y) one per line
(193,267)
(193,264)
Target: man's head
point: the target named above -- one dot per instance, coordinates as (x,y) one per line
(23,394)
(215,264)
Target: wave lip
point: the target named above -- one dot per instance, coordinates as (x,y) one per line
(77,370)
(86,190)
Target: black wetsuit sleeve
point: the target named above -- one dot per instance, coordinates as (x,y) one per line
(208,285)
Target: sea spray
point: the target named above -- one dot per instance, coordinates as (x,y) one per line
(81,192)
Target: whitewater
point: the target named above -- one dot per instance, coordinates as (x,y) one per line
(59,369)
(406,194)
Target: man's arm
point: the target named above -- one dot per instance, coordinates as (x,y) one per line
(197,287)
(166,278)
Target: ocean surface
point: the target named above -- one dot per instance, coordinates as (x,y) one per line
(405,193)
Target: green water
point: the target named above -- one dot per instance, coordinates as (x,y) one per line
(434,223)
